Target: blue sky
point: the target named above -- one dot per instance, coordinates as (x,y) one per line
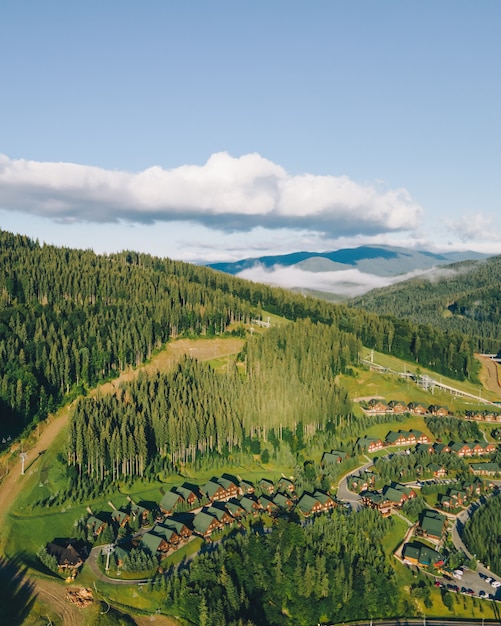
(209,131)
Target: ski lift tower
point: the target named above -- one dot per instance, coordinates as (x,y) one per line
(108,549)
(23,456)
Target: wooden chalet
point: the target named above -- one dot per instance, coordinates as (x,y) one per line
(332,458)
(220,489)
(170,501)
(219,512)
(421,438)
(400,438)
(395,406)
(369,444)
(438,471)
(235,509)
(377,406)
(250,504)
(398,494)
(266,486)
(191,494)
(268,505)
(376,500)
(120,517)
(180,526)
(309,505)
(167,533)
(139,512)
(284,502)
(431,525)
(205,524)
(441,448)
(153,543)
(439,411)
(417,408)
(284,484)
(95,525)
(485,469)
(421,555)
(325,500)
(68,557)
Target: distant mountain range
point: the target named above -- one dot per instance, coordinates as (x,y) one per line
(342,273)
(377,260)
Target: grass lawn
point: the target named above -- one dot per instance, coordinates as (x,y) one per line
(390,386)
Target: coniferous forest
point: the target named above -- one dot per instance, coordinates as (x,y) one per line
(462,297)
(71,318)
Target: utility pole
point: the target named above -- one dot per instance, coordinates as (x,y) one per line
(23,455)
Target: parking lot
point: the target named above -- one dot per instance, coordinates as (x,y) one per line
(473,584)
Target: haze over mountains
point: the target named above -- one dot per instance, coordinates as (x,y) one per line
(343,273)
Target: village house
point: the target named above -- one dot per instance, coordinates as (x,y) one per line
(235,509)
(191,494)
(431,525)
(309,505)
(266,486)
(395,406)
(438,471)
(95,525)
(169,501)
(439,411)
(376,500)
(421,555)
(377,406)
(485,469)
(286,485)
(68,557)
(167,533)
(205,524)
(417,408)
(369,444)
(333,457)
(284,502)
(400,438)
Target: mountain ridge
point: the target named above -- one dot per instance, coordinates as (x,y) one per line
(391,260)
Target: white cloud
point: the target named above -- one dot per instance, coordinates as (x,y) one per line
(344,283)
(474,227)
(226,193)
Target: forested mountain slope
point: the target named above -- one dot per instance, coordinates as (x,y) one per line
(463,297)
(70,318)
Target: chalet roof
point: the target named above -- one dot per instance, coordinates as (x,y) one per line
(170,500)
(432,523)
(364,442)
(165,532)
(323,498)
(94,522)
(187,491)
(218,513)
(267,503)
(151,542)
(202,522)
(307,503)
(234,507)
(335,456)
(212,487)
(489,467)
(227,482)
(282,501)
(375,497)
(392,494)
(65,555)
(249,504)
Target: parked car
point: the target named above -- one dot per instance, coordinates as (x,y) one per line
(495,584)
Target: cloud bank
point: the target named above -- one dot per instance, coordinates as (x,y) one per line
(226,193)
(347,283)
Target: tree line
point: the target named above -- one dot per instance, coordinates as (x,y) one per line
(71,318)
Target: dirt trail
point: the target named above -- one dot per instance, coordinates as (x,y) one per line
(53,594)
(489,374)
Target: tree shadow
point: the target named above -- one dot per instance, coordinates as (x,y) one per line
(16,592)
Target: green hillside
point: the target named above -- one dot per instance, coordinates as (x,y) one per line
(463,297)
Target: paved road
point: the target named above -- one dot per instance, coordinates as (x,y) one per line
(344,494)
